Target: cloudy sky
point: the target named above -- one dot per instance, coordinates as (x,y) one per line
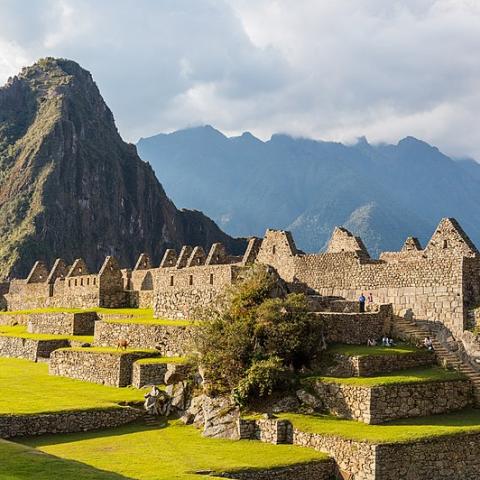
(327,69)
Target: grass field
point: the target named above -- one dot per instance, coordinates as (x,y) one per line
(364,351)
(156,360)
(20,331)
(173,452)
(26,388)
(112,350)
(417,375)
(408,430)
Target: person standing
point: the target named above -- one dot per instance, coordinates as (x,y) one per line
(361,301)
(370,298)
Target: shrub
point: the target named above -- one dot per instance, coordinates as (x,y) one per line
(258,333)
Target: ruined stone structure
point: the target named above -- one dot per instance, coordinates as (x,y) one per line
(440,282)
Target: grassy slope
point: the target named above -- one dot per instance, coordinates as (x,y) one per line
(113,350)
(408,430)
(139,452)
(364,351)
(417,375)
(150,361)
(24,385)
(20,331)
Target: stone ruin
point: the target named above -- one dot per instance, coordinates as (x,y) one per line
(440,282)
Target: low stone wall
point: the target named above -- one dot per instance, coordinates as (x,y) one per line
(321,470)
(61,323)
(448,458)
(14,318)
(355,328)
(170,341)
(148,374)
(341,365)
(66,422)
(106,368)
(383,403)
(16,347)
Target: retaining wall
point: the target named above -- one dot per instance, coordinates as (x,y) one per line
(16,347)
(62,323)
(66,422)
(148,374)
(383,403)
(170,341)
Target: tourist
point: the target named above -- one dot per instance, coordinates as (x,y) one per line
(371,342)
(370,298)
(390,342)
(385,341)
(361,301)
(428,343)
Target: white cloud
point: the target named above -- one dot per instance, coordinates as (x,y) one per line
(328,69)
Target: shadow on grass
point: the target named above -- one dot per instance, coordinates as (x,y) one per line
(20,462)
(59,438)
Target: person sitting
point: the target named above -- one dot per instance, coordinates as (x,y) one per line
(384,341)
(390,342)
(371,342)
(428,343)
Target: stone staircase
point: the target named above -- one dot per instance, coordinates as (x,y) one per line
(416,333)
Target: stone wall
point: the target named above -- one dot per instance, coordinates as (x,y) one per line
(16,347)
(169,340)
(430,282)
(179,292)
(447,458)
(148,374)
(383,403)
(340,365)
(321,470)
(355,328)
(105,368)
(66,422)
(61,323)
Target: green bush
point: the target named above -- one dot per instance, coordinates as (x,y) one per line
(257,335)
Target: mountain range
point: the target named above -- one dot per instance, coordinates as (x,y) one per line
(71,187)
(383,193)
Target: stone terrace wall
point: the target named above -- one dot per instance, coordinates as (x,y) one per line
(25,296)
(383,403)
(16,347)
(61,323)
(66,422)
(355,328)
(366,366)
(148,374)
(448,458)
(113,369)
(321,470)
(180,291)
(168,340)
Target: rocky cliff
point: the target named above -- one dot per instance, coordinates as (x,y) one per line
(71,187)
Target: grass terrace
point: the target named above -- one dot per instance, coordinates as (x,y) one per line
(364,351)
(171,453)
(157,360)
(25,384)
(417,375)
(114,350)
(20,331)
(399,431)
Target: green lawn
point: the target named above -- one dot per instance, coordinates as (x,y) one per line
(20,331)
(174,452)
(114,350)
(364,351)
(26,388)
(417,375)
(407,430)
(150,361)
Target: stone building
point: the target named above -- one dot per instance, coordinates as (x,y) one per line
(440,282)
